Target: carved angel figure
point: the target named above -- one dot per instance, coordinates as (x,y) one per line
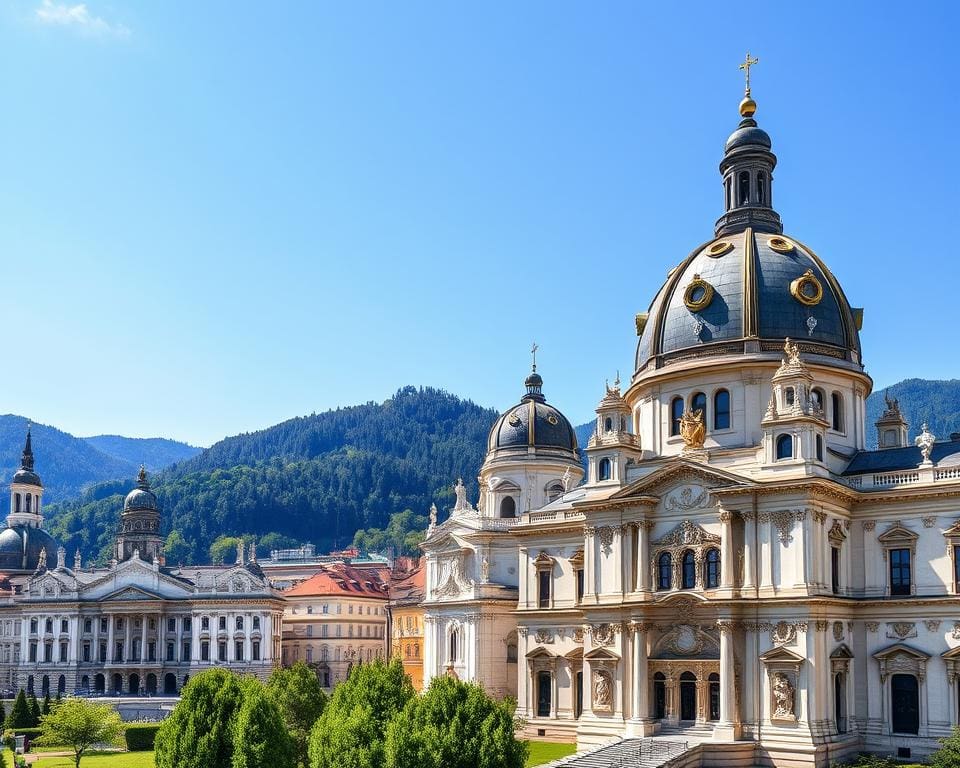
(791,353)
(601,690)
(461,491)
(782,696)
(692,429)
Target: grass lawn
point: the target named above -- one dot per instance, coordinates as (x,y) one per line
(546,751)
(100,760)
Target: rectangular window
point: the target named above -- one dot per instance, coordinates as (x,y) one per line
(221,651)
(64,625)
(205,622)
(835,569)
(87,625)
(185,654)
(48,652)
(118,652)
(543,579)
(63,652)
(171,625)
(579,573)
(170,648)
(151,651)
(238,650)
(256,650)
(33,626)
(86,651)
(119,623)
(103,653)
(205,651)
(256,622)
(103,624)
(33,652)
(223,622)
(187,623)
(956,569)
(899,571)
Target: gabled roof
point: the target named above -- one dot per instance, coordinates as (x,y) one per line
(678,468)
(908,650)
(410,588)
(339,580)
(893,459)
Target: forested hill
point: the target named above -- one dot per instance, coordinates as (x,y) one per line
(317,478)
(153,452)
(66,464)
(921,400)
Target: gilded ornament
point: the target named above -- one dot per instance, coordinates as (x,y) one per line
(698,294)
(807,289)
(692,429)
(641,320)
(780,244)
(719,248)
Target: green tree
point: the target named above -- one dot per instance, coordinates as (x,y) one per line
(80,724)
(20,715)
(175,548)
(199,732)
(260,737)
(454,725)
(3,714)
(34,711)
(948,756)
(403,533)
(45,709)
(224,549)
(297,692)
(352,729)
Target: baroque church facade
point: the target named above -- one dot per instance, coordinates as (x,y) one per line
(135,627)
(737,567)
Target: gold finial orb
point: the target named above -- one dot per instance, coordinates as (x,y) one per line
(747,107)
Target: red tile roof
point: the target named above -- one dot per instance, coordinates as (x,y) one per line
(409,588)
(339,580)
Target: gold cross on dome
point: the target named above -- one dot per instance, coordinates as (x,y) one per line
(533,351)
(747,63)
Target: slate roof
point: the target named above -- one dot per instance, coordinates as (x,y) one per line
(893,459)
(410,589)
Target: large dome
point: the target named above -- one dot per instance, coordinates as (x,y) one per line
(751,287)
(20,548)
(140,497)
(533,423)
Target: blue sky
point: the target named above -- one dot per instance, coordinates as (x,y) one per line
(220,215)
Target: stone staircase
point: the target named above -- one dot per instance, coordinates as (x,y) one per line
(692,734)
(628,753)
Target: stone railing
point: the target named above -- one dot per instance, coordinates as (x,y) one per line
(553,515)
(878,481)
(613,438)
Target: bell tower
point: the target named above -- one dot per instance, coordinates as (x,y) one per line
(26,492)
(140,524)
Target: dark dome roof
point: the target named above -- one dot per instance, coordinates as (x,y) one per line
(27,477)
(20,548)
(139,498)
(748,134)
(533,423)
(749,285)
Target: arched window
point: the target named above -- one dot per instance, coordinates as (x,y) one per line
(554,492)
(29,499)
(788,396)
(721,409)
(819,447)
(508,507)
(784,447)
(744,187)
(761,188)
(454,645)
(416,650)
(689,571)
(16,502)
(728,196)
(676,413)
(836,418)
(608,424)
(511,653)
(664,571)
(603,471)
(711,576)
(818,399)
(699,403)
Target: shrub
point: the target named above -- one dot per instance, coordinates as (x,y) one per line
(139,737)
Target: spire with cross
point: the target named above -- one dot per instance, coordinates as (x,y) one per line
(747,63)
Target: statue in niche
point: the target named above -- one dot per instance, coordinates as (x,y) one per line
(601,691)
(783,695)
(692,429)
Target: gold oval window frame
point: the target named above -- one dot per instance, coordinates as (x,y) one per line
(799,289)
(695,305)
(553,419)
(719,248)
(780,244)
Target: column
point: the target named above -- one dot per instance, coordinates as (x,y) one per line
(767,542)
(728,729)
(727,553)
(749,551)
(523,673)
(589,563)
(643,555)
(626,559)
(523,578)
(143,640)
(640,705)
(110,625)
(95,645)
(802,549)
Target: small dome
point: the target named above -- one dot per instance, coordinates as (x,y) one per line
(20,548)
(27,477)
(748,134)
(533,423)
(140,497)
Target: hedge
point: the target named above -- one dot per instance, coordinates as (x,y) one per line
(140,737)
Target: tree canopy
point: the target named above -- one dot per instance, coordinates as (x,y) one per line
(79,724)
(300,699)
(260,737)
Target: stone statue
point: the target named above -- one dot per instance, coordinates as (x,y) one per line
(461,491)
(76,560)
(567,479)
(240,552)
(484,570)
(601,691)
(924,442)
(42,560)
(692,429)
(480,495)
(433,517)
(782,696)
(791,353)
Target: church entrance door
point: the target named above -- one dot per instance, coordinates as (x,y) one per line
(688,696)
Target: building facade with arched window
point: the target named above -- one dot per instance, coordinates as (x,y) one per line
(406,622)
(741,566)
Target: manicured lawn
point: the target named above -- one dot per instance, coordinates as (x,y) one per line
(546,751)
(100,760)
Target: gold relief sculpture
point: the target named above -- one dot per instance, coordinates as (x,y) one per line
(692,429)
(698,294)
(641,320)
(807,289)
(719,248)
(780,244)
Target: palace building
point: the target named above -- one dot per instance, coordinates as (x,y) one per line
(738,568)
(135,627)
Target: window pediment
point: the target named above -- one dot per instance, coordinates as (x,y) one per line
(781,655)
(841,652)
(601,654)
(898,535)
(576,560)
(543,561)
(687,534)
(953,533)
(837,534)
(900,658)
